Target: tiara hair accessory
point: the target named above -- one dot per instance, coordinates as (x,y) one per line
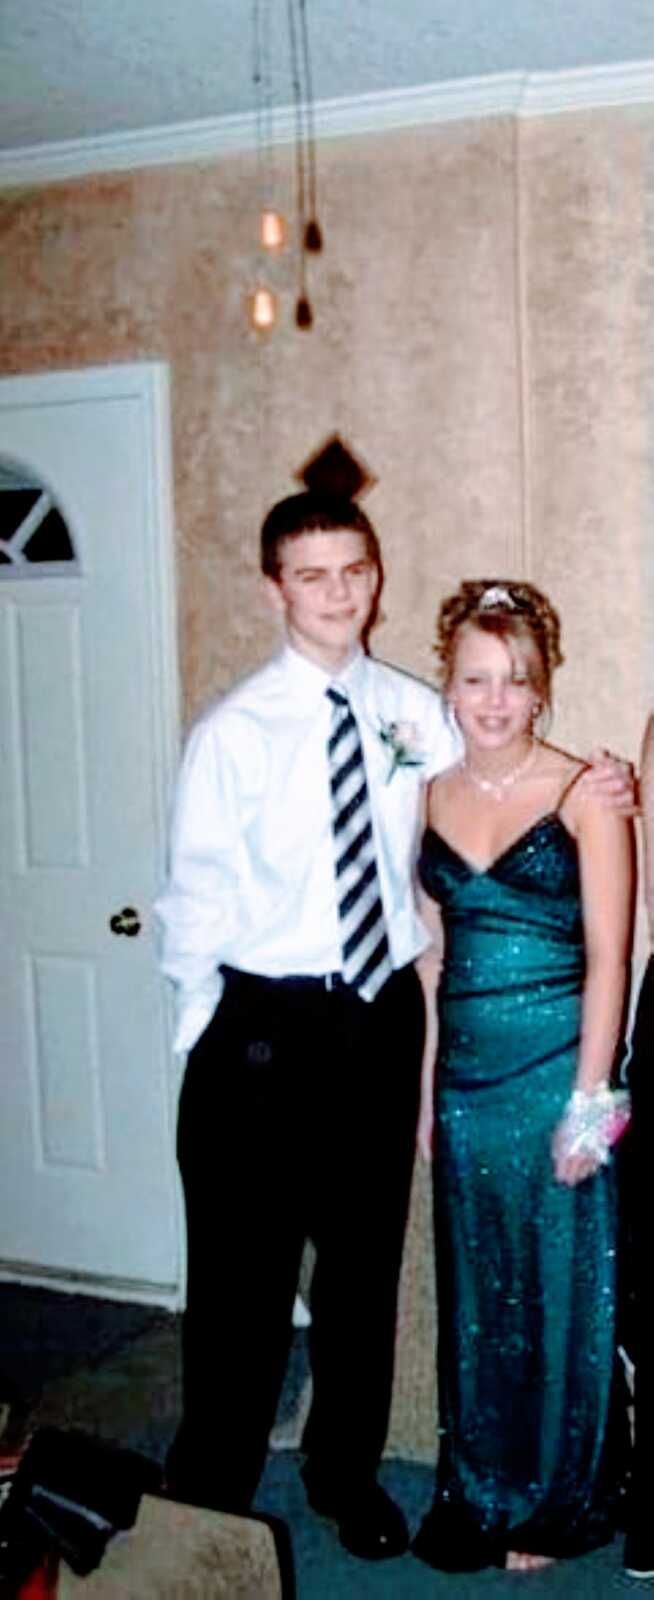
(497,596)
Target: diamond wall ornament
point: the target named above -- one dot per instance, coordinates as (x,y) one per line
(335,471)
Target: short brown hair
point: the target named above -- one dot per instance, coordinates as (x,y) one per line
(311,513)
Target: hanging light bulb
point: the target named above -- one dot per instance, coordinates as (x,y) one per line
(272,229)
(313,236)
(262,307)
(303,312)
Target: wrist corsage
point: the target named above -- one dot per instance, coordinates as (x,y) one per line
(403,744)
(593,1121)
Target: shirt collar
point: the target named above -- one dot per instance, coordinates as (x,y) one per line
(352,677)
(311,681)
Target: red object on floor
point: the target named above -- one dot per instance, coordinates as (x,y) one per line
(43,1582)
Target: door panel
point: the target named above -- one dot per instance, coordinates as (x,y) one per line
(87,744)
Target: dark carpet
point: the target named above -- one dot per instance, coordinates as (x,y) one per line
(45,1336)
(68,1360)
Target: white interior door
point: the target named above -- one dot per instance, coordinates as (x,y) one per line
(87,742)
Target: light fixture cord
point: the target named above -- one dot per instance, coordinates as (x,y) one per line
(266,63)
(258,92)
(309,111)
(299,138)
(262,82)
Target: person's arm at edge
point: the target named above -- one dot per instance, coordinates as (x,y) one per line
(647,804)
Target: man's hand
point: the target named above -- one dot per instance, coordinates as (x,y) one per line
(613,781)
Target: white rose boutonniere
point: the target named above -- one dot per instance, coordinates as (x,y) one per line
(402,740)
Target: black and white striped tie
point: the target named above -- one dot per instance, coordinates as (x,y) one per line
(366,958)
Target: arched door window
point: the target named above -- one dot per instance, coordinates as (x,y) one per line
(35,540)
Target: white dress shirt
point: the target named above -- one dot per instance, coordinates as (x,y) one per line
(252,858)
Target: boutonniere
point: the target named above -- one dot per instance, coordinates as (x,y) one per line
(402,741)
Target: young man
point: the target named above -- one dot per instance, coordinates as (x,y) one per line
(290,929)
(304,1026)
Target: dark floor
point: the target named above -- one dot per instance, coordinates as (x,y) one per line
(114,1370)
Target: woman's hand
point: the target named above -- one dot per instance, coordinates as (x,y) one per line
(592,1122)
(571,1168)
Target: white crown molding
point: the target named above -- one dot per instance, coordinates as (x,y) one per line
(515,94)
(629,83)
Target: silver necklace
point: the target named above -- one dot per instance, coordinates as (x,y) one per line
(499,787)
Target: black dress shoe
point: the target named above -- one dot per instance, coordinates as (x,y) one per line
(370,1525)
(639,1553)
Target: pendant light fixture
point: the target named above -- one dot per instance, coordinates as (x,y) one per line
(273,232)
(262,302)
(309,232)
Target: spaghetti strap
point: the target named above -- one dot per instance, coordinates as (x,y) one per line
(569,786)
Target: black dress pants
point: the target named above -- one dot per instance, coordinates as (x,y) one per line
(639,1185)
(297,1119)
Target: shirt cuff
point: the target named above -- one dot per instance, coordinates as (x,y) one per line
(195,1009)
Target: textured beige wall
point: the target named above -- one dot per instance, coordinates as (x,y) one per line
(588,322)
(413,359)
(484,317)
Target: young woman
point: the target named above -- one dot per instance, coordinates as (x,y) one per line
(530,877)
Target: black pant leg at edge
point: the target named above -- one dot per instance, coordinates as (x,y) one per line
(640,1189)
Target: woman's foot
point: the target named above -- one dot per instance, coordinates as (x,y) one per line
(523,1561)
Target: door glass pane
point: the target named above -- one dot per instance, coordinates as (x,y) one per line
(34,538)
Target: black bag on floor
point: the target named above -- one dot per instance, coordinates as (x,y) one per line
(70,1495)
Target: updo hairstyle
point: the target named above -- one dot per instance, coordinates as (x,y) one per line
(517,613)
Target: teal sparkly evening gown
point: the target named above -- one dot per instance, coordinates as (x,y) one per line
(525,1265)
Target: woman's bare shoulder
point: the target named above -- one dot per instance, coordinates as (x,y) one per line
(562,769)
(446,780)
(446,783)
(557,763)
(441,789)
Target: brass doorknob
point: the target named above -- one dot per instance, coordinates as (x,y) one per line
(125,921)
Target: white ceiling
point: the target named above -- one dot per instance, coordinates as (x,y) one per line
(82,69)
